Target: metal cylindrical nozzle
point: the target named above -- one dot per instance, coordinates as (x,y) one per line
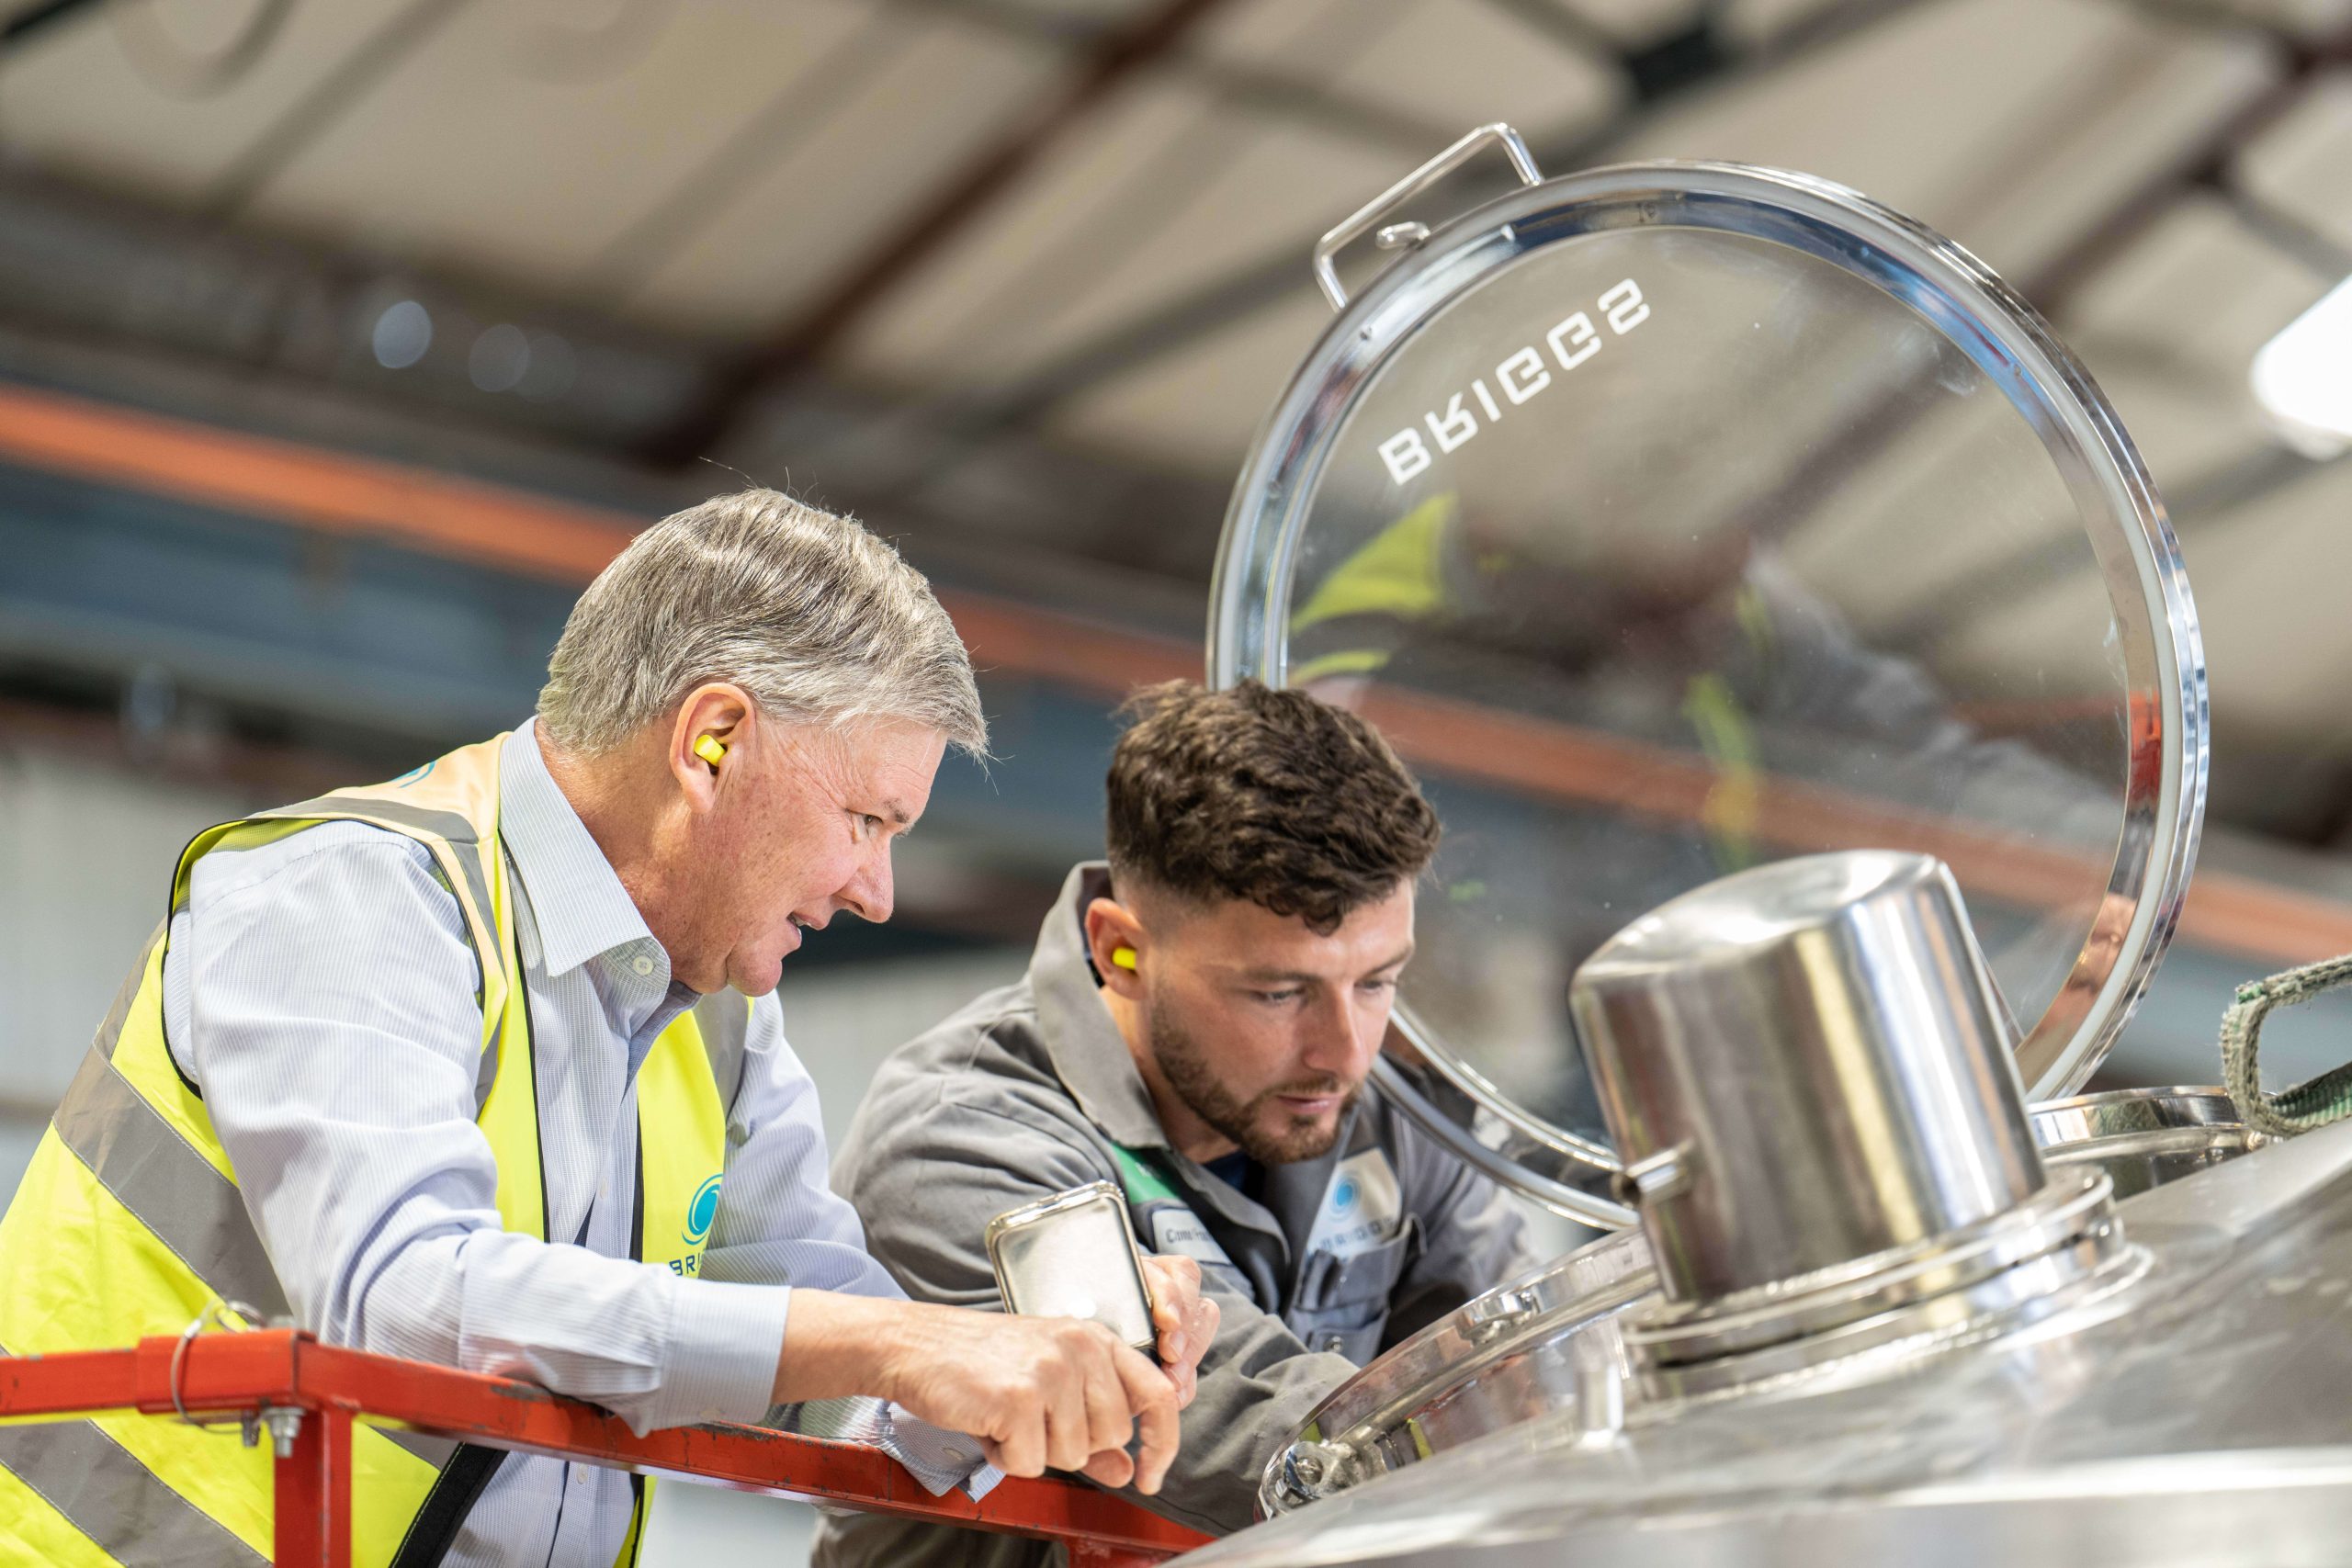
(1803,1065)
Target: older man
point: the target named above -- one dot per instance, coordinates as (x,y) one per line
(466,1067)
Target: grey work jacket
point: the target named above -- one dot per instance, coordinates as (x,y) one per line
(1029,1091)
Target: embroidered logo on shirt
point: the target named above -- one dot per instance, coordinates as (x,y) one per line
(415,775)
(701,1212)
(1361,1208)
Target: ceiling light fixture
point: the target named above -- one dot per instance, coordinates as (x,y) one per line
(2303,378)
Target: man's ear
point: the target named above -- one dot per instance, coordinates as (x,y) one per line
(1115,939)
(711,734)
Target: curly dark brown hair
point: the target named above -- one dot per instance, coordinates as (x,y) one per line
(1268,796)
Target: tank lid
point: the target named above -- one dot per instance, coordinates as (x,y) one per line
(1674,518)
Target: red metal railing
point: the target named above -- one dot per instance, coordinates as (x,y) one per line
(305,1395)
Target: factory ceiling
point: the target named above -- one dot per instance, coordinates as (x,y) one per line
(1016,280)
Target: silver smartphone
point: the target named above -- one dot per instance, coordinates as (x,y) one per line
(1074,1255)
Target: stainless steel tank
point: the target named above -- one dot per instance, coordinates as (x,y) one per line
(1799,656)
(2194,1414)
(1551,1343)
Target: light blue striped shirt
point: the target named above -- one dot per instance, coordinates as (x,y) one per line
(325,988)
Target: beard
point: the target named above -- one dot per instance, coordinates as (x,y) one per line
(1291,1138)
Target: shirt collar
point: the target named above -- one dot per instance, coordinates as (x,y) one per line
(1090,1054)
(578,903)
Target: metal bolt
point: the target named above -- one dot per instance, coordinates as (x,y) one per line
(285,1425)
(1317,1469)
(1400,236)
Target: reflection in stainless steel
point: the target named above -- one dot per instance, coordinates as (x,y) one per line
(1547,502)
(2142,1138)
(1541,1344)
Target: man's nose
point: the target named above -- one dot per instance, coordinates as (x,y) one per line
(1341,1039)
(870,892)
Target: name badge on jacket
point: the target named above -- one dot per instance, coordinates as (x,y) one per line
(1175,1228)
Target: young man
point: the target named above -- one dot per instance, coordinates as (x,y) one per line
(1196,1026)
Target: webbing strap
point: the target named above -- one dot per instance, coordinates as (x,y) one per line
(640,1498)
(2308,1106)
(434,1529)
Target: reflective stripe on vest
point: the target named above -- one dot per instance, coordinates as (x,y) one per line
(128,1222)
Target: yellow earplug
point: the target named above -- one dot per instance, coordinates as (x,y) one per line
(1125,957)
(710,749)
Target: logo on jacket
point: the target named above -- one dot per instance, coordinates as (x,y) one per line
(702,1210)
(1362,1208)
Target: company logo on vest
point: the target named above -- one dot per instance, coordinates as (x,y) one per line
(702,1210)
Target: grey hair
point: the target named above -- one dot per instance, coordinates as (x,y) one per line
(815,618)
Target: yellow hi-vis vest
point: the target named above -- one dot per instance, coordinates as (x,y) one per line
(129,1223)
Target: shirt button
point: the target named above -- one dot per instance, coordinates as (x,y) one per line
(642,963)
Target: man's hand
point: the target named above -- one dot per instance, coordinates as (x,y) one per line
(1186,1320)
(1037,1392)
(1186,1323)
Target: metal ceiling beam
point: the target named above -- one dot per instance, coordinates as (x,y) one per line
(1240,83)
(329,99)
(2052,288)
(803,104)
(814,94)
(973,189)
(1234,295)
(2203,502)
(2205,166)
(34,19)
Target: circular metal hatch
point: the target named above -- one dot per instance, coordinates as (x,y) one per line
(1676,517)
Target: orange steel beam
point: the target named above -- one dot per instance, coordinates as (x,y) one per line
(312,488)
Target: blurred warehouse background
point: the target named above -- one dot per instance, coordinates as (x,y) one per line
(341,342)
